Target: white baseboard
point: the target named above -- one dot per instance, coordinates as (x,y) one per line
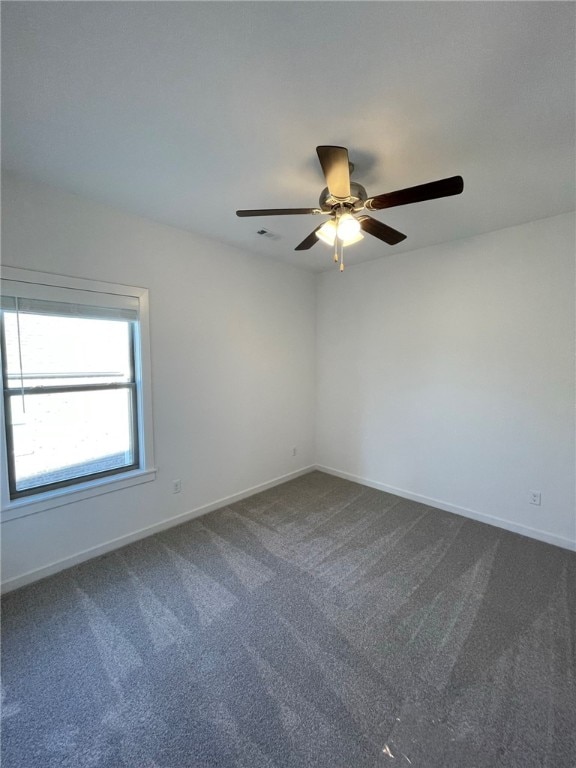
(533,533)
(121,541)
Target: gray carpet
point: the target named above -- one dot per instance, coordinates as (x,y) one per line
(320,623)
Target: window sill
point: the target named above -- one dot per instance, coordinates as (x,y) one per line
(59,498)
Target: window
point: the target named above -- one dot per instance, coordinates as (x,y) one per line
(73,386)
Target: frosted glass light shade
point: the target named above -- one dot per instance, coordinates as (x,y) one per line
(327,233)
(348,227)
(354,239)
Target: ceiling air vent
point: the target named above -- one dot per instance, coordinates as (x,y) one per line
(268,234)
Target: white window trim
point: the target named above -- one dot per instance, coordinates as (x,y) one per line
(11,509)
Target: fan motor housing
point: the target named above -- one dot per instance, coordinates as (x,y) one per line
(357,195)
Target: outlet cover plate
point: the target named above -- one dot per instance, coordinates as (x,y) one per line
(535,498)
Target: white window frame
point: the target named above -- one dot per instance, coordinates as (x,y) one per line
(28,505)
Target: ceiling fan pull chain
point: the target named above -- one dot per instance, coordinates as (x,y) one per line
(342,258)
(336,248)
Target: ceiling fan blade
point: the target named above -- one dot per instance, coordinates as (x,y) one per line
(277,212)
(309,241)
(336,168)
(381,231)
(442,188)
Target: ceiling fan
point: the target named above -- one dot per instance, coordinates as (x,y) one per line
(343,199)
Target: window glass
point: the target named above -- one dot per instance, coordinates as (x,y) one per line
(58,437)
(44,350)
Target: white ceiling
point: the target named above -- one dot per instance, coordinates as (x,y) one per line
(184,112)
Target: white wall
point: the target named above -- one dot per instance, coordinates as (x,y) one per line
(447,375)
(233,348)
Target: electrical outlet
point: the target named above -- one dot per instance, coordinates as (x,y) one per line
(176,486)
(535,498)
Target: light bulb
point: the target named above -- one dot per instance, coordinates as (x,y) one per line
(348,227)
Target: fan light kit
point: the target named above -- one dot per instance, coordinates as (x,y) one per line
(347,229)
(343,199)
